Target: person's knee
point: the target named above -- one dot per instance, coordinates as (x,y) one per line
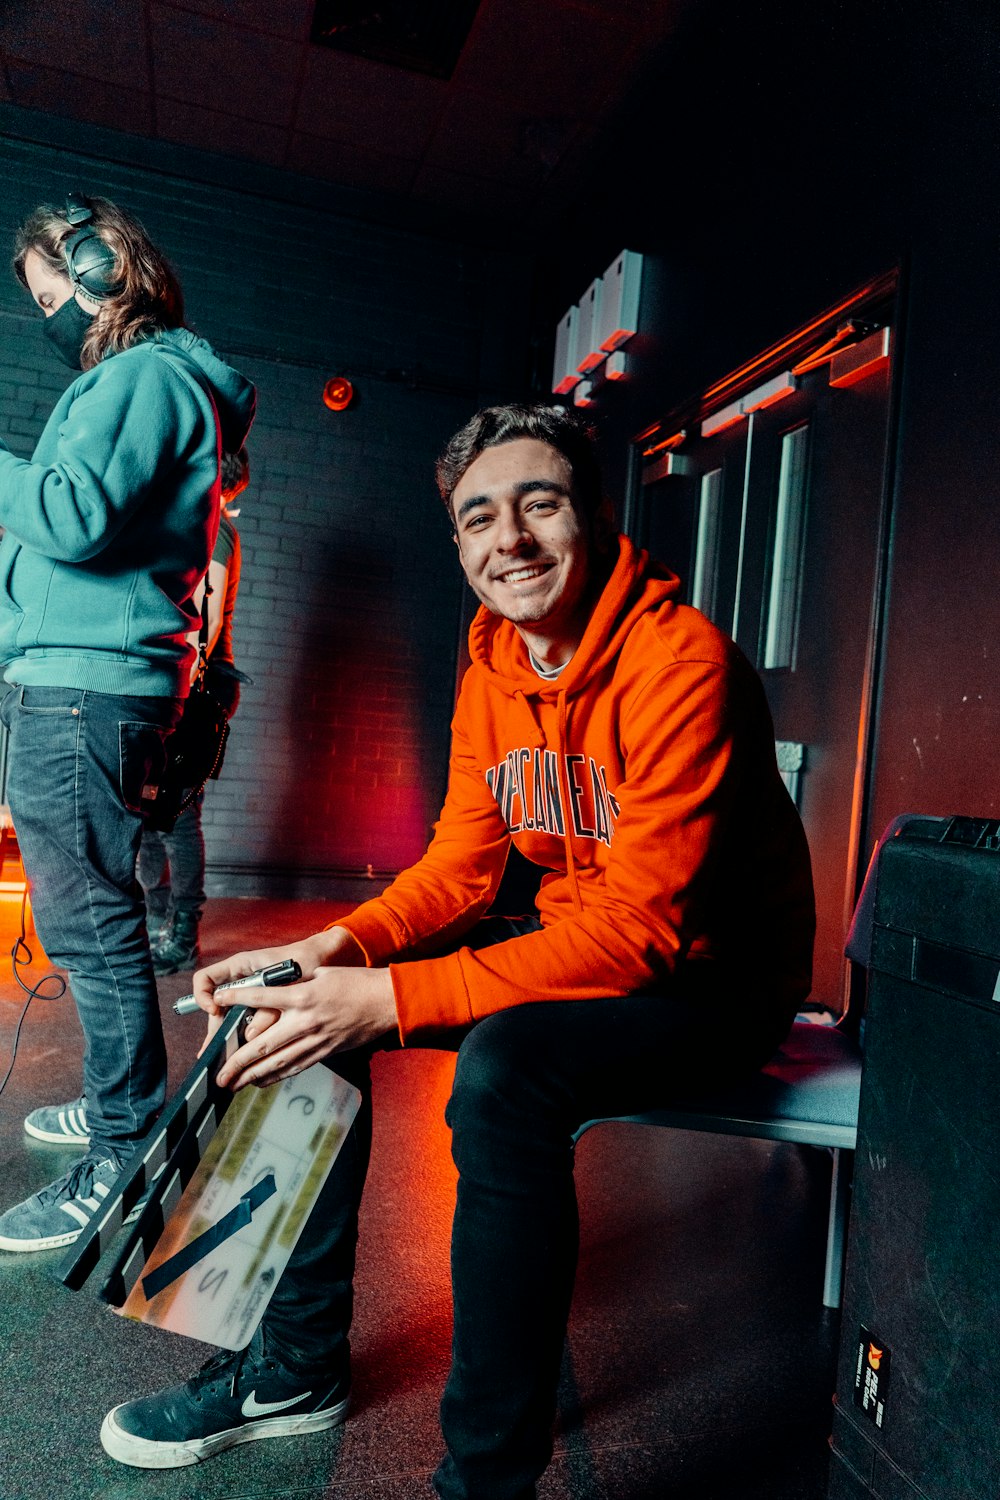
(510,1128)
(502,1083)
(491,1064)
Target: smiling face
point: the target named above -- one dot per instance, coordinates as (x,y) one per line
(524,546)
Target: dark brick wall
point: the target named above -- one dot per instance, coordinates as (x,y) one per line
(349,611)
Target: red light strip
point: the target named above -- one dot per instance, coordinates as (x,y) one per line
(671,442)
(881,285)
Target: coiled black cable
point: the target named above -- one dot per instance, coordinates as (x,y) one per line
(21,955)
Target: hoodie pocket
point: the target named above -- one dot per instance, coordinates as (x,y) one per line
(7,578)
(25,590)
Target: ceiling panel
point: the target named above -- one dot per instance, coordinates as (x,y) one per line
(288,18)
(352,99)
(481,133)
(426,38)
(553,59)
(74,97)
(211,129)
(202,61)
(89,37)
(651,15)
(534,90)
(351,165)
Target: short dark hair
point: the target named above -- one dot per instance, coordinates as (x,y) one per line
(565,431)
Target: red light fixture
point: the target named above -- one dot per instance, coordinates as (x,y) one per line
(338,393)
(848,366)
(674,441)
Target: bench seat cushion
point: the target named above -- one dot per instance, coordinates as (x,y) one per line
(808,1092)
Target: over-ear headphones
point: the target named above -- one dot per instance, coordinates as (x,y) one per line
(90,263)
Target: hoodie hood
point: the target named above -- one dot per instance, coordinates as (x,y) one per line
(636,586)
(234,396)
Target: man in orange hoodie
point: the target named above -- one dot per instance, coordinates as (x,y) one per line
(624,745)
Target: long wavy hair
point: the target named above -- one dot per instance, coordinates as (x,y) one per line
(147,298)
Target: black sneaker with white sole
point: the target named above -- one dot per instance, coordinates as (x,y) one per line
(234,1398)
(58,1214)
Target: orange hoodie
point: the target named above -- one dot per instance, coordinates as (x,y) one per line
(643,780)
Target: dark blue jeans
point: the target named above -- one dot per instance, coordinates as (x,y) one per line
(525,1080)
(171,865)
(77,764)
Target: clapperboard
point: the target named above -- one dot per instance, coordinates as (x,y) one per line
(231,1180)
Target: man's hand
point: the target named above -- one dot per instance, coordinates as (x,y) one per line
(337,1005)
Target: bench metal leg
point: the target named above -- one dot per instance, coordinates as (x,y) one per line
(836,1233)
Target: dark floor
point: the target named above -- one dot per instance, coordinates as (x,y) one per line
(699,1362)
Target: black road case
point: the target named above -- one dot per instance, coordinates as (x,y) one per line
(918,1382)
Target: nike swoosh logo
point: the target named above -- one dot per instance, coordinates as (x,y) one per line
(254,1408)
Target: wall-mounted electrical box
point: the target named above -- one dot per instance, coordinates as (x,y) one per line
(589,334)
(565,375)
(621,285)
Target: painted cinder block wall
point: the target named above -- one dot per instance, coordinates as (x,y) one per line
(349,610)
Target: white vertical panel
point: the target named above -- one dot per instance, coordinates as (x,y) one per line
(786,564)
(564,372)
(706,557)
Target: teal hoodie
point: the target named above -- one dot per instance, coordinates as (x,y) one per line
(111,523)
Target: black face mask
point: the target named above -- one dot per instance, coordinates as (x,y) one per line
(67,329)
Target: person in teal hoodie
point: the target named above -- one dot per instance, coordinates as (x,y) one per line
(108,531)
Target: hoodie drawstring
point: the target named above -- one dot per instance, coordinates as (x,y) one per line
(536,737)
(562,705)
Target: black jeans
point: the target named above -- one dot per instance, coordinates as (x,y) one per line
(525,1079)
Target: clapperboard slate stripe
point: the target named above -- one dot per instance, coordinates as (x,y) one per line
(184,1128)
(145,1233)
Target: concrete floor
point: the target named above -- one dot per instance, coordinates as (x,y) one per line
(699,1364)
